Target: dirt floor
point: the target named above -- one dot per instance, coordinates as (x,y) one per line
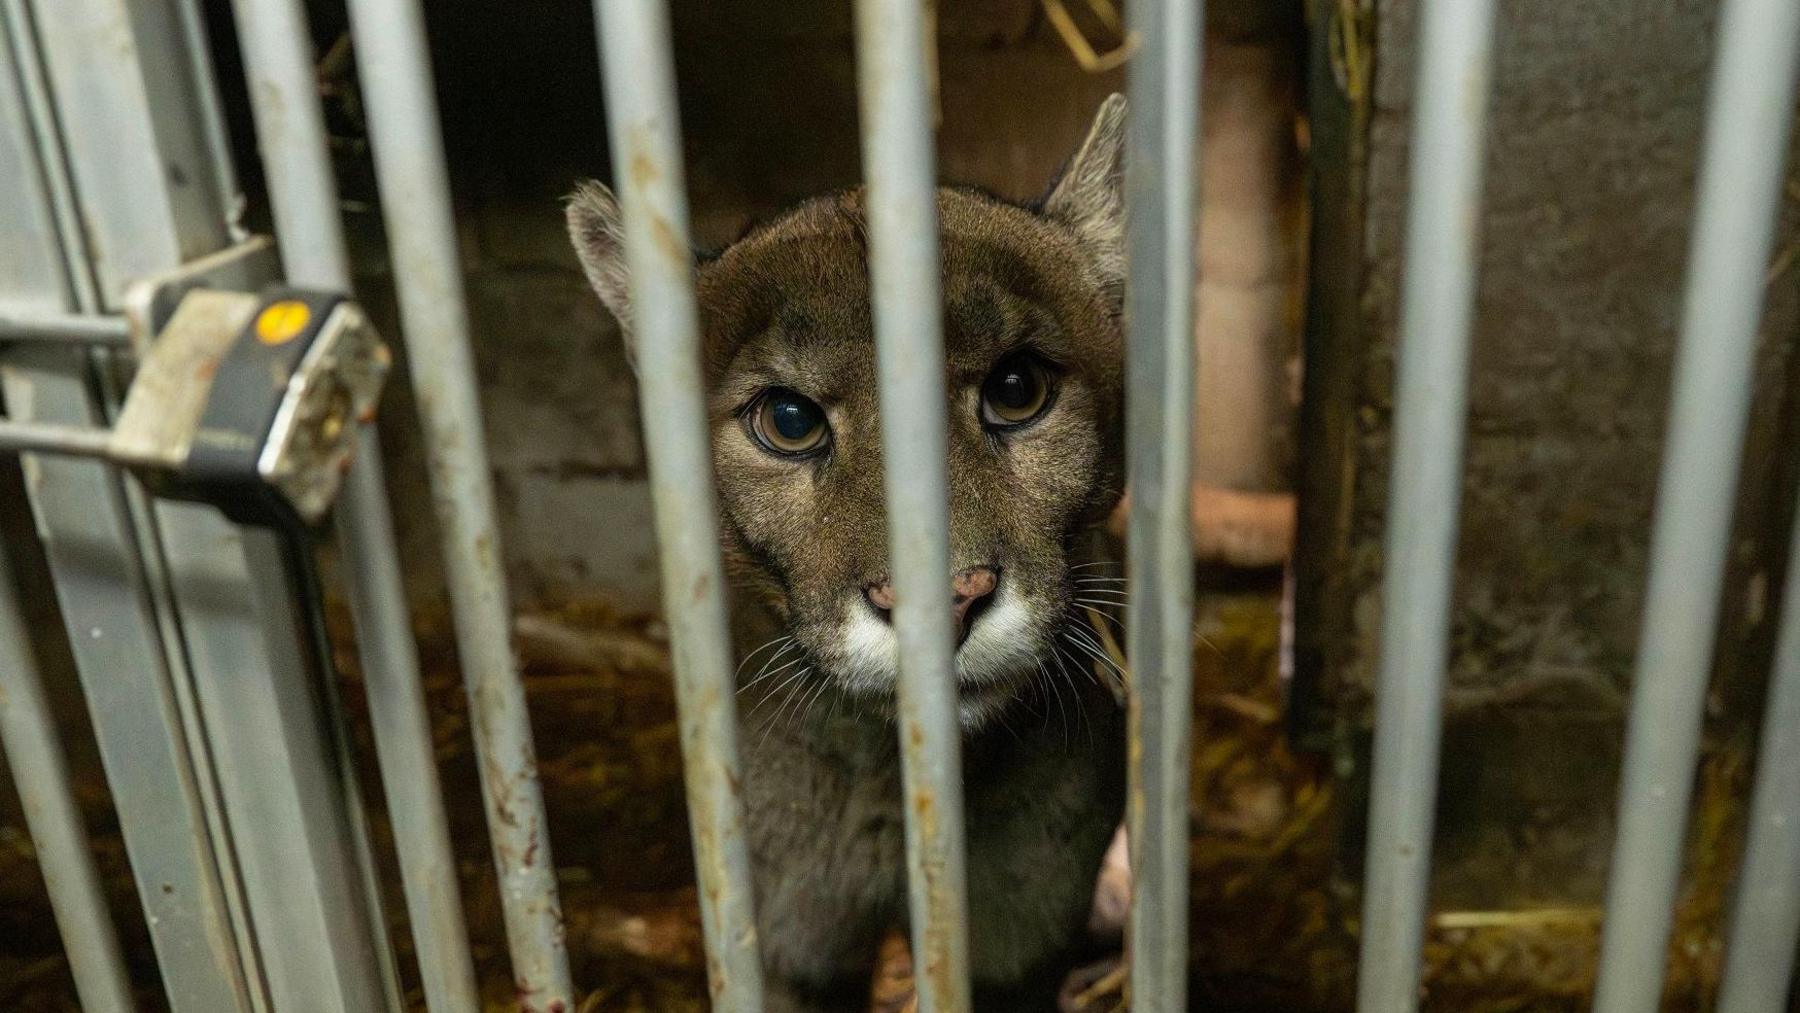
(1273,914)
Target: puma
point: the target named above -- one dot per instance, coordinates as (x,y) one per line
(1034,386)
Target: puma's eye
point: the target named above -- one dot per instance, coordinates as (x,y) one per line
(788,423)
(1015,392)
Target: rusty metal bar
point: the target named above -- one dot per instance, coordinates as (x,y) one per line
(1749,118)
(405,133)
(644,126)
(1455,52)
(1765,923)
(1162,139)
(47,794)
(894,85)
(290,125)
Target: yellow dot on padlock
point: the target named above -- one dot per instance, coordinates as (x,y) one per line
(281,321)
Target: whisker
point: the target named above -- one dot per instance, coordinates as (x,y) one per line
(1056,652)
(804,697)
(805,708)
(1102,613)
(1200,638)
(1112,677)
(1086,720)
(784,640)
(770,727)
(785,683)
(1119,598)
(765,674)
(1089,646)
(1102,603)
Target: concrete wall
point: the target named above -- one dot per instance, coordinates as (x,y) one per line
(1592,156)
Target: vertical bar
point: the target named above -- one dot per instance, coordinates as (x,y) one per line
(40,772)
(152,188)
(1749,116)
(1765,922)
(111,110)
(415,197)
(288,792)
(645,131)
(1162,222)
(303,190)
(132,670)
(894,85)
(1455,54)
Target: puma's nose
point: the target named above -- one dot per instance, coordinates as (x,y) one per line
(967,588)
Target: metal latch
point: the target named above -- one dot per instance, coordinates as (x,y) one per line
(248,402)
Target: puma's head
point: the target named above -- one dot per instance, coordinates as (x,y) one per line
(1033,382)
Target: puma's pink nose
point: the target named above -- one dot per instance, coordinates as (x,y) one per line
(966,588)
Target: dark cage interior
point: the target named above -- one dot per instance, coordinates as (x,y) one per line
(1597,115)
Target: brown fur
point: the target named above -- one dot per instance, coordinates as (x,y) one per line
(788,306)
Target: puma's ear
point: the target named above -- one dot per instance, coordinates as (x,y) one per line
(598,232)
(1089,195)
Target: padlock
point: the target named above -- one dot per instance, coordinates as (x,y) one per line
(252,402)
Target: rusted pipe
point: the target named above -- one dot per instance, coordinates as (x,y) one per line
(278,61)
(407,140)
(644,126)
(894,83)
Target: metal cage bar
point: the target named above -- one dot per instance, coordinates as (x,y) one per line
(290,125)
(1765,923)
(66,328)
(644,127)
(1455,53)
(1749,116)
(96,123)
(53,437)
(894,75)
(41,774)
(410,169)
(1162,221)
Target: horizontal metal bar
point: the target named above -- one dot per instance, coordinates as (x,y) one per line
(894,78)
(303,193)
(1162,137)
(18,436)
(407,139)
(1748,122)
(68,328)
(40,772)
(644,125)
(1765,923)
(1455,52)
